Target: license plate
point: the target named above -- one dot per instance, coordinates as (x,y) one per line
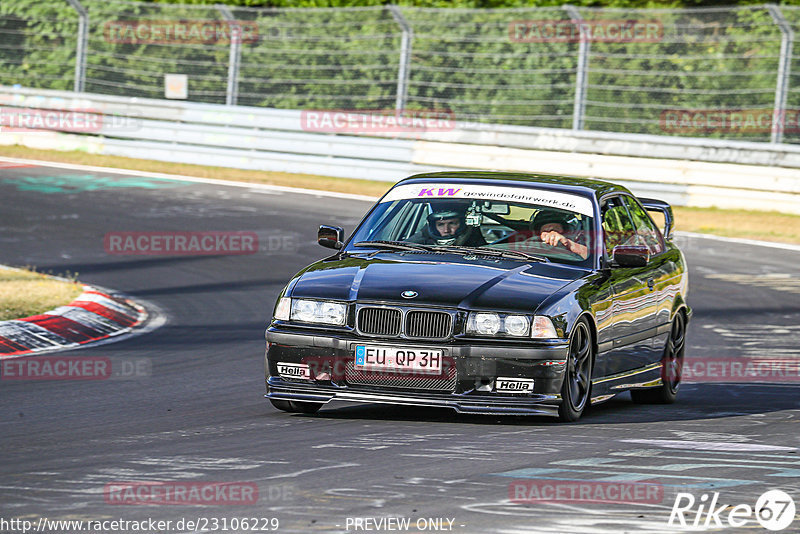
(398,359)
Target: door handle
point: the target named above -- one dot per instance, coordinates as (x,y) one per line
(651,284)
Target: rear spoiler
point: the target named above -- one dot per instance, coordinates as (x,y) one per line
(651,204)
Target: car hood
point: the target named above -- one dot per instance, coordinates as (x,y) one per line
(440,280)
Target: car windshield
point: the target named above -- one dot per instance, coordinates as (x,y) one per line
(524,222)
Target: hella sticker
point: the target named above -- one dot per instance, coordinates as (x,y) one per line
(294,370)
(514,385)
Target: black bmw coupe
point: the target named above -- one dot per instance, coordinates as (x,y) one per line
(487,292)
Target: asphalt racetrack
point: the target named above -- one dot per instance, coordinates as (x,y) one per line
(198,413)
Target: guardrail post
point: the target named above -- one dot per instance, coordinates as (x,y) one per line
(579,108)
(80,48)
(405,57)
(234,56)
(784,67)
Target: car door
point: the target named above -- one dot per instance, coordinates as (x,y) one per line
(634,305)
(666,276)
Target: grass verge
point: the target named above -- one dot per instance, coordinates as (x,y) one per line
(24,293)
(760,225)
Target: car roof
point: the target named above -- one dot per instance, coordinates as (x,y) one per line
(573,184)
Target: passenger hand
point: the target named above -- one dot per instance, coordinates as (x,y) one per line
(554,238)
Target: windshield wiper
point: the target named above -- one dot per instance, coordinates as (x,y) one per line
(392,245)
(526,255)
(455,249)
(491,252)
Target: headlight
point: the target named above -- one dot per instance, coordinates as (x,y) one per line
(314,311)
(509,325)
(486,324)
(282,309)
(304,311)
(543,327)
(516,325)
(332,312)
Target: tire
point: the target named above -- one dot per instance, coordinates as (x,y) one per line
(671,367)
(576,389)
(296,406)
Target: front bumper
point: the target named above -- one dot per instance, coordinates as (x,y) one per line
(469,389)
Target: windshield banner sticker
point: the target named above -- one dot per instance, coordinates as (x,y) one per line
(553,199)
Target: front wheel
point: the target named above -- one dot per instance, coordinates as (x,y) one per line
(671,367)
(577,385)
(296,406)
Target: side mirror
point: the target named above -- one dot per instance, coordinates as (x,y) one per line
(330,236)
(631,255)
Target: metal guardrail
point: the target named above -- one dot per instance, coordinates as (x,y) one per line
(273,139)
(500,135)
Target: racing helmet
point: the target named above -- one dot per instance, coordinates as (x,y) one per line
(444,211)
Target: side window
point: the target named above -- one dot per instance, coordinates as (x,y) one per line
(645,228)
(386,226)
(412,221)
(617,226)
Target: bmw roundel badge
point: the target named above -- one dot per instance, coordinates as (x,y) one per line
(409,294)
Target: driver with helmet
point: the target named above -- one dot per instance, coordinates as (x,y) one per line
(447,225)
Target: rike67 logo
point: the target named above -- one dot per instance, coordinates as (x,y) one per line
(774,510)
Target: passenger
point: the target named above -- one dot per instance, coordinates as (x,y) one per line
(553,228)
